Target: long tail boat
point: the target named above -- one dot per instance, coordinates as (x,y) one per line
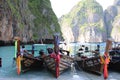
(115,59)
(52,65)
(57,63)
(89,63)
(30,63)
(25,62)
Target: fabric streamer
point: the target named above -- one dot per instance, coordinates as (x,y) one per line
(56,54)
(15,49)
(18,56)
(18,65)
(106,66)
(106,58)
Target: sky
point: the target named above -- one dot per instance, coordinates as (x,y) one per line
(62,7)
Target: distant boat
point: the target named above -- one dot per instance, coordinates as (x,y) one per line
(91,65)
(38,44)
(88,61)
(61,42)
(26,61)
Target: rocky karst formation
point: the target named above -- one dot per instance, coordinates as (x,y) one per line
(87,22)
(35,20)
(112,20)
(28,19)
(84,23)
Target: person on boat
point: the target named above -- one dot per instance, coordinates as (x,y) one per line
(86,49)
(97,51)
(50,50)
(64,52)
(82,48)
(80,51)
(42,54)
(65,49)
(98,48)
(24,52)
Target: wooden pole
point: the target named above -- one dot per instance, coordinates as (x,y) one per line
(33,49)
(17,45)
(18,58)
(18,48)
(56,44)
(108,46)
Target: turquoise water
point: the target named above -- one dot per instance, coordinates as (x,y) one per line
(7,54)
(8,69)
(38,47)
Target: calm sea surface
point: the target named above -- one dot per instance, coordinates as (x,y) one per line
(8,69)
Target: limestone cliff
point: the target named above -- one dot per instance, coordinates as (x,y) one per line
(112,20)
(28,19)
(84,23)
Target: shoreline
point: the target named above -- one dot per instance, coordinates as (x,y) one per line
(11,42)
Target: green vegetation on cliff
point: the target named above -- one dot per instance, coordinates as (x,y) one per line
(82,11)
(43,13)
(86,15)
(33,19)
(14,8)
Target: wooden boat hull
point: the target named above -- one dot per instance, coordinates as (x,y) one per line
(30,63)
(92,65)
(115,60)
(65,63)
(115,64)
